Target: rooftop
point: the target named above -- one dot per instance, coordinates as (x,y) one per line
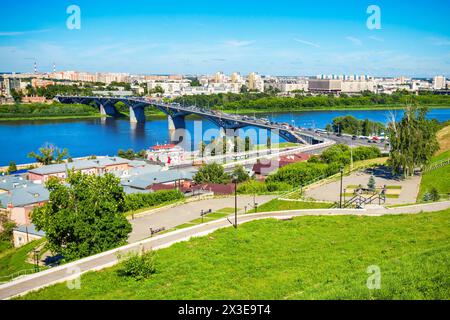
(79,165)
(12,182)
(24,196)
(30,229)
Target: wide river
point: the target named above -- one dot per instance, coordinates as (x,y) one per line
(106,136)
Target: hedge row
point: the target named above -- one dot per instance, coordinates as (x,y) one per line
(145,200)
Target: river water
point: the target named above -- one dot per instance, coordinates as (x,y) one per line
(106,136)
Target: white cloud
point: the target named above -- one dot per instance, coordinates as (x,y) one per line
(309,43)
(439,41)
(355,41)
(375,38)
(19,33)
(239,43)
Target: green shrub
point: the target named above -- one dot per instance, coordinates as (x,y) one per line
(252,187)
(278,186)
(138,266)
(434,194)
(212,173)
(144,200)
(341,154)
(300,173)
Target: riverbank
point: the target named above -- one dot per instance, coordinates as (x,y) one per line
(71,117)
(157,115)
(43,111)
(339,108)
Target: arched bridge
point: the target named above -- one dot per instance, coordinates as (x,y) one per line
(176,115)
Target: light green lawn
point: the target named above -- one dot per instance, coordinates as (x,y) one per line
(14,259)
(280,205)
(439,178)
(305,258)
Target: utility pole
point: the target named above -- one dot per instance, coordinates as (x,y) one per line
(235,201)
(340,194)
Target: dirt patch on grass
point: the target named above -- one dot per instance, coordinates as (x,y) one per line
(443,137)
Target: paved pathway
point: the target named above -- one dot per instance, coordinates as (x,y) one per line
(172,217)
(109,258)
(330,191)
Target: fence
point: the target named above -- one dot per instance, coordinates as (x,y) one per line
(437,165)
(15,275)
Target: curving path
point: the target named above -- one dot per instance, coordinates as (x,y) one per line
(109,258)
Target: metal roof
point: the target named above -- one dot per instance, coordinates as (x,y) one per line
(145,180)
(24,196)
(14,182)
(30,229)
(79,165)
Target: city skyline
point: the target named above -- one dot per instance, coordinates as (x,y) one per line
(146,38)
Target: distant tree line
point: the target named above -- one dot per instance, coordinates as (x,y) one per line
(55,109)
(349,124)
(269,100)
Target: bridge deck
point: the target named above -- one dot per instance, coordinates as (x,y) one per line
(221,119)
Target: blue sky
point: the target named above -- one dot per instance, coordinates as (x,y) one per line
(270,37)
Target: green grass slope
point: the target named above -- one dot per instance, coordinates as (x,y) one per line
(305,258)
(14,259)
(439,178)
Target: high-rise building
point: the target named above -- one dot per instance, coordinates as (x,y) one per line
(11,84)
(255,82)
(439,82)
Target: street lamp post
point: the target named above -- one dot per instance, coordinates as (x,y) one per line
(340,194)
(36,260)
(235,180)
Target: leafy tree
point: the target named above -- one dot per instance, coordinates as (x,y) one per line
(7,227)
(240,174)
(224,144)
(12,167)
(371,183)
(16,95)
(248,145)
(142,154)
(426,196)
(434,194)
(413,141)
(84,216)
(129,154)
(202,147)
(195,82)
(244,89)
(212,173)
(49,154)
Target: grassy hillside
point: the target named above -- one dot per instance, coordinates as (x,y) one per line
(305,258)
(443,137)
(14,259)
(280,205)
(439,178)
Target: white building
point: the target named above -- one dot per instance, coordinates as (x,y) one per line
(255,82)
(439,82)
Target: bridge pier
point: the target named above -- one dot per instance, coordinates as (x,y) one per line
(177,126)
(108,109)
(137,114)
